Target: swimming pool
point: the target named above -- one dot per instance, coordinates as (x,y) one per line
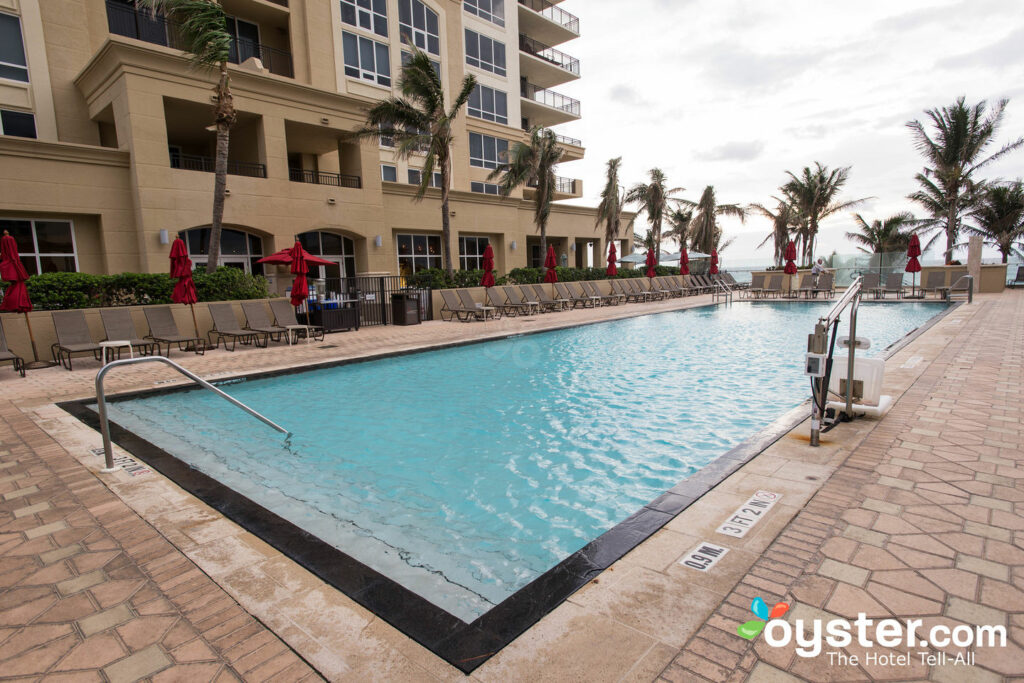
(465,474)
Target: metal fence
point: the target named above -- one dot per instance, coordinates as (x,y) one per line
(371,294)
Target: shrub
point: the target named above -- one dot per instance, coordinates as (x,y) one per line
(437,278)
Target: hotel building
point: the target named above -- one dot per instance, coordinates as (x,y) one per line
(106,145)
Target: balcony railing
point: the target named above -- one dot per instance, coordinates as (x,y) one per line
(192,162)
(550,98)
(140,24)
(549,54)
(556,14)
(298,175)
(562,185)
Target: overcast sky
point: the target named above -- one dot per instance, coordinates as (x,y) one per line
(733,94)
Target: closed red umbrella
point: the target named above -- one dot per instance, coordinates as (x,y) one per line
(913,265)
(650,263)
(16,299)
(551,262)
(185,289)
(714,262)
(300,289)
(684,262)
(790,268)
(612,271)
(488,279)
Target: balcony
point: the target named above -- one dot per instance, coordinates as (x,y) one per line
(547,22)
(130,22)
(544,65)
(564,187)
(543,107)
(193,162)
(299,175)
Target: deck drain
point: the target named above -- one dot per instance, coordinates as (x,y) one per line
(328,346)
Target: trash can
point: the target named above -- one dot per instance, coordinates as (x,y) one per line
(405,309)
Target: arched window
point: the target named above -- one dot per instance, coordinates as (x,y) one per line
(418,23)
(237,249)
(332,247)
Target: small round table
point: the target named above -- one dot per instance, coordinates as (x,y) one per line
(109,347)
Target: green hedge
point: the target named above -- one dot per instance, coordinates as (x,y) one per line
(436,278)
(56,291)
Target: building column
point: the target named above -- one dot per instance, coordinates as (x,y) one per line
(273,147)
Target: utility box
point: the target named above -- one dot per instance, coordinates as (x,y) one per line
(405,309)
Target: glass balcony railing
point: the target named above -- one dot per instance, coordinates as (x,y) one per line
(566,20)
(550,98)
(549,54)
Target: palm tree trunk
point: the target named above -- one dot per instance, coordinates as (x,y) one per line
(951,230)
(225,115)
(446,223)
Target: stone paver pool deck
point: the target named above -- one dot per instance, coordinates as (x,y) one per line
(920,514)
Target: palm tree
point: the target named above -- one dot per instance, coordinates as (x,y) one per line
(954,151)
(533,164)
(202,28)
(420,123)
(609,211)
(883,236)
(654,199)
(784,219)
(814,194)
(679,225)
(999,215)
(643,242)
(705,232)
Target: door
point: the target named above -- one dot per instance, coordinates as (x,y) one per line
(245,40)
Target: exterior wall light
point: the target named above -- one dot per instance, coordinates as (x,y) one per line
(330,200)
(378,241)
(164,237)
(512,245)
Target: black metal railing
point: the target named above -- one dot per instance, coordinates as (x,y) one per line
(299,175)
(371,294)
(549,54)
(556,14)
(192,162)
(141,24)
(562,185)
(550,98)
(564,139)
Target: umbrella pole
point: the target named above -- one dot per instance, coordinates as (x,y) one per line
(195,325)
(36,364)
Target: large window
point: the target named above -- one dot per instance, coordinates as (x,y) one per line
(371,15)
(484,188)
(471,252)
(389,173)
(418,23)
(485,53)
(45,246)
(17,123)
(486,151)
(12,50)
(488,10)
(237,249)
(366,59)
(331,247)
(416,177)
(489,104)
(418,252)
(407,57)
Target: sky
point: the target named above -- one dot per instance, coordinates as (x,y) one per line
(733,94)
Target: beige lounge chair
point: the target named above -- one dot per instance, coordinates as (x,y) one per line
(467,301)
(73,336)
(163,330)
(870,283)
(494,298)
(526,301)
(619,287)
(226,327)
(118,326)
(257,320)
(935,282)
(546,300)
(606,299)
(451,305)
(826,285)
(774,286)
(574,297)
(893,285)
(284,316)
(7,355)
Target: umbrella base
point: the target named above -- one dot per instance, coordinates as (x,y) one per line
(39,364)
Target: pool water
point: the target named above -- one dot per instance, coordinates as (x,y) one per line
(463,474)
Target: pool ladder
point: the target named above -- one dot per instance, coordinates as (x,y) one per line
(101,401)
(721,291)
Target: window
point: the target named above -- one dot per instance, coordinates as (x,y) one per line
(418,24)
(485,53)
(237,249)
(332,247)
(386,140)
(471,252)
(245,40)
(416,176)
(418,252)
(486,151)
(484,188)
(12,50)
(369,14)
(489,104)
(367,59)
(18,123)
(45,246)
(388,173)
(407,57)
(489,10)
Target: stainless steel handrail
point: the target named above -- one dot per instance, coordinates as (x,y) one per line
(850,298)
(101,401)
(968,289)
(721,289)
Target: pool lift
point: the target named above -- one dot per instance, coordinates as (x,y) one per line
(866,373)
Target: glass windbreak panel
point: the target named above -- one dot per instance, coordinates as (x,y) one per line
(310,241)
(21,231)
(12,51)
(54,237)
(233,242)
(332,244)
(57,264)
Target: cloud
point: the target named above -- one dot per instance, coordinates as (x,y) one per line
(730,65)
(1003,53)
(734,151)
(625,94)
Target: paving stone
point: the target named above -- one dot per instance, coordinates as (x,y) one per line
(45,530)
(80,583)
(105,619)
(139,665)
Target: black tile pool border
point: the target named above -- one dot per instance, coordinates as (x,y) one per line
(464,646)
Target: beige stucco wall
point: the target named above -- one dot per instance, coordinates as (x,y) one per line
(993,276)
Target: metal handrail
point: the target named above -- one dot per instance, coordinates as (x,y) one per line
(721,289)
(101,401)
(969,289)
(850,299)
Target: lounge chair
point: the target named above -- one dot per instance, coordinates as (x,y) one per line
(257,320)
(959,283)
(806,285)
(225,327)
(467,300)
(546,300)
(284,316)
(526,301)
(870,283)
(774,286)
(703,283)
(454,308)
(7,355)
(163,330)
(826,285)
(118,326)
(592,289)
(642,284)
(893,285)
(756,288)
(583,291)
(669,286)
(1018,280)
(619,287)
(494,298)
(936,282)
(574,297)
(731,281)
(73,336)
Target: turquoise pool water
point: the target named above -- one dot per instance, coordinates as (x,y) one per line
(463,474)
